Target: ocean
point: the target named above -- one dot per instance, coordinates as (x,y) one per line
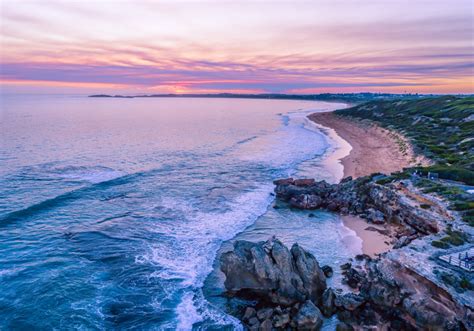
(112,211)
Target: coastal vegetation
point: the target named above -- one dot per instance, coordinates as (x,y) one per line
(442,129)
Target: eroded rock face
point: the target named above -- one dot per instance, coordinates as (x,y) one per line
(269,272)
(392,294)
(308,317)
(363,197)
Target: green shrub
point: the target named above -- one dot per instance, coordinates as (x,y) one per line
(455,238)
(466,284)
(439,244)
(460,206)
(384,181)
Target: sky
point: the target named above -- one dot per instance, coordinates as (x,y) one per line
(134,47)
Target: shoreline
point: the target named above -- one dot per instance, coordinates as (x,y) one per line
(372,148)
(362,150)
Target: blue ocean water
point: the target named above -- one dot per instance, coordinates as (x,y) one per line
(112,211)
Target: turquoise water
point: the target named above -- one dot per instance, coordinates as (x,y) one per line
(112,210)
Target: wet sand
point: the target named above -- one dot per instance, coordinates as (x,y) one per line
(373,242)
(374,149)
(371,149)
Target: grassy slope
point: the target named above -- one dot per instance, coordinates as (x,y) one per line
(438,128)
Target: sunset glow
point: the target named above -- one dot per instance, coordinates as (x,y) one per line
(245,47)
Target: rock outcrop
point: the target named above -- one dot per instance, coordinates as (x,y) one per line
(287,284)
(363,197)
(393,295)
(272,273)
(288,290)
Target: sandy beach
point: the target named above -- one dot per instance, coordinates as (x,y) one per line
(373,149)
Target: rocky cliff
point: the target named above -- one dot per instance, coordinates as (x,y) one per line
(363,197)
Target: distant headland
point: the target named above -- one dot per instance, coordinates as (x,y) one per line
(342,97)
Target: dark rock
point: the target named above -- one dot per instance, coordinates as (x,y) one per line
(306,201)
(346,266)
(349,301)
(328,306)
(353,278)
(278,311)
(346,179)
(361,257)
(408,299)
(375,216)
(254,327)
(285,181)
(341,326)
(311,215)
(304,182)
(266,325)
(328,272)
(403,241)
(249,313)
(270,272)
(264,313)
(308,317)
(280,321)
(254,322)
(361,196)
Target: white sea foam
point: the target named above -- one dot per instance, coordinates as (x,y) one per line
(92,174)
(350,239)
(187,313)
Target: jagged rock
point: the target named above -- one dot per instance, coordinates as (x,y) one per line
(341,326)
(328,306)
(304,182)
(270,272)
(264,313)
(349,301)
(409,298)
(266,326)
(361,196)
(285,181)
(346,266)
(249,313)
(280,321)
(375,216)
(308,317)
(403,241)
(254,322)
(254,327)
(306,201)
(353,278)
(328,272)
(361,257)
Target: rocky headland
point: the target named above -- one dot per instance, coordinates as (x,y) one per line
(408,288)
(426,280)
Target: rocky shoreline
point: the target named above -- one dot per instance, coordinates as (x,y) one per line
(401,289)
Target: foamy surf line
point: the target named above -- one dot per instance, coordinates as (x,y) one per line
(197,254)
(193,308)
(339,148)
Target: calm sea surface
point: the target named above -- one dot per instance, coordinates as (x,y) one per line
(112,211)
